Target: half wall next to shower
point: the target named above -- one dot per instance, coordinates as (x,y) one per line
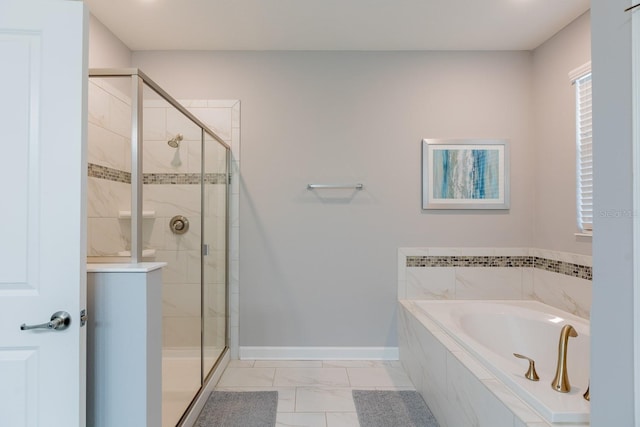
(175,175)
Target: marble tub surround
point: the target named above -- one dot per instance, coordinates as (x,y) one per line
(559,279)
(458,390)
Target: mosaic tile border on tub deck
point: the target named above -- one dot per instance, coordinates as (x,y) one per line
(469,261)
(110,174)
(561,267)
(567,268)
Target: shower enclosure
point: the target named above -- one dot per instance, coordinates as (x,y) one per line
(158,191)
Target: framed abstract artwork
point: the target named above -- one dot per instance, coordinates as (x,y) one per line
(465,174)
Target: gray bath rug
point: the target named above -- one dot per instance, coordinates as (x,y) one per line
(239,409)
(392,409)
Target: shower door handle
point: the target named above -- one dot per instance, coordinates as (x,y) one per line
(60,321)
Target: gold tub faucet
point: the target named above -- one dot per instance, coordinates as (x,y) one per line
(531,373)
(587,395)
(560,382)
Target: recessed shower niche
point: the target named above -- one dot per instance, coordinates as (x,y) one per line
(158,190)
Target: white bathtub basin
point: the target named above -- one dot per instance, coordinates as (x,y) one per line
(494,330)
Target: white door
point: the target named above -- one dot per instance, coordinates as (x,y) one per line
(42,211)
(635,56)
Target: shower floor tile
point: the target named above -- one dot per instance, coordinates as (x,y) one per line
(181,380)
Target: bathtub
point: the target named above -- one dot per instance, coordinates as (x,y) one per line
(492,331)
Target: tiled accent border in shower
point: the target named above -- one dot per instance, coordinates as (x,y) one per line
(110,174)
(183,178)
(555,266)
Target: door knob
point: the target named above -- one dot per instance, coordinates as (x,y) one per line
(60,320)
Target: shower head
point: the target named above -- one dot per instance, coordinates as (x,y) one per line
(175,141)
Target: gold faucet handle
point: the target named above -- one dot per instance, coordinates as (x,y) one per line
(587,395)
(531,373)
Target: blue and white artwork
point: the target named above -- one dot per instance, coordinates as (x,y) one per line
(466,174)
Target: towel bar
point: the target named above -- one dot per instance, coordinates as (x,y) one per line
(355,186)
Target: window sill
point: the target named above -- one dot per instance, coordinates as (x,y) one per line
(589,234)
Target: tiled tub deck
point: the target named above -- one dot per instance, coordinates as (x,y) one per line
(459,391)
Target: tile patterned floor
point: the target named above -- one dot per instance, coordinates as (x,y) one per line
(314,393)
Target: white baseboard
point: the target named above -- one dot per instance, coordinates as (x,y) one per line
(319,353)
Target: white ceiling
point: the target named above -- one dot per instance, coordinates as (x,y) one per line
(335,24)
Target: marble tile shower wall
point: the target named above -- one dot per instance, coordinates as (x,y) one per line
(559,279)
(171,187)
(108,155)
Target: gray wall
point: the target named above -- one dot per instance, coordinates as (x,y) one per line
(322,272)
(319,268)
(612,312)
(105,49)
(554,130)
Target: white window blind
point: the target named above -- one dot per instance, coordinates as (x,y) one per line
(584,150)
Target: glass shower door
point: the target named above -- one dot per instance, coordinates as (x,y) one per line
(174,169)
(214,262)
(172,180)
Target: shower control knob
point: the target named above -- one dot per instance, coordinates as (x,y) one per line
(179,224)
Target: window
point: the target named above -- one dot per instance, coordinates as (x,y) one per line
(581,78)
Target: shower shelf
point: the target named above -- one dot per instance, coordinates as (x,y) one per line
(145,214)
(146,253)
